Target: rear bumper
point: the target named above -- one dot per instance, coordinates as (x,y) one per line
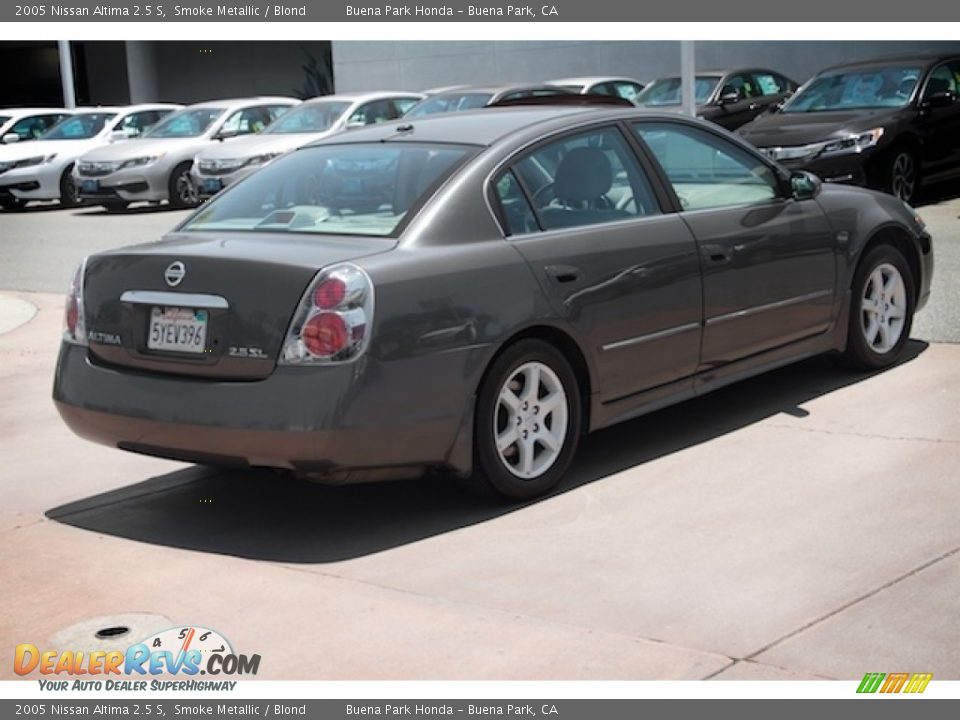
(342,423)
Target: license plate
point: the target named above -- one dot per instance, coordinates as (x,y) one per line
(212,185)
(177,329)
(90,186)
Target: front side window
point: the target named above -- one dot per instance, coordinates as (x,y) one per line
(250,120)
(872,87)
(185,123)
(586,179)
(705,170)
(79,127)
(742,85)
(30,128)
(136,124)
(357,189)
(944,79)
(313,117)
(374,112)
(669,91)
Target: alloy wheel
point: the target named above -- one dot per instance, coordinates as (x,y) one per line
(530,420)
(186,192)
(883,308)
(903,176)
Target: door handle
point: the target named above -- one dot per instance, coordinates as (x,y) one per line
(563,273)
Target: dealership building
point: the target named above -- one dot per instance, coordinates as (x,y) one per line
(121,72)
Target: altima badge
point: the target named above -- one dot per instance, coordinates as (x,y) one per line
(175,273)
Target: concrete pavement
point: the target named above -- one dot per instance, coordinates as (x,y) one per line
(798,525)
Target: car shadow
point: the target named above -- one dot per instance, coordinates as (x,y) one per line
(263,515)
(938,193)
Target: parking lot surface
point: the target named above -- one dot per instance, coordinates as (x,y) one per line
(799,525)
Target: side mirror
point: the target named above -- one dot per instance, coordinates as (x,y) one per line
(226,134)
(730,97)
(804,185)
(117,135)
(939,99)
(354,123)
(10,138)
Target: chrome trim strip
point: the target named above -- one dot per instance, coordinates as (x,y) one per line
(194,300)
(769,306)
(659,335)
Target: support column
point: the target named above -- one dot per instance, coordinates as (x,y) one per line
(687,78)
(141,72)
(66,74)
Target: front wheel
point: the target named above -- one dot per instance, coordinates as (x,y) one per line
(881,309)
(903,174)
(69,192)
(181,190)
(528,420)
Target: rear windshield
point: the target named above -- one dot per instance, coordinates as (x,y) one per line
(449,103)
(312,117)
(79,127)
(358,189)
(669,91)
(873,87)
(185,123)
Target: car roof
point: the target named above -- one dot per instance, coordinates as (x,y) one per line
(486,126)
(125,108)
(925,60)
(592,80)
(492,88)
(20,111)
(364,96)
(242,102)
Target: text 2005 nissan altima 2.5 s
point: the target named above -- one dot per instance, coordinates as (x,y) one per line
(472,292)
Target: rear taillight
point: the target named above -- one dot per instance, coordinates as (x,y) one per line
(333,320)
(74,327)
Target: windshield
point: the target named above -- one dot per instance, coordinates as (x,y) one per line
(185,123)
(874,87)
(451,102)
(668,91)
(79,127)
(359,189)
(308,118)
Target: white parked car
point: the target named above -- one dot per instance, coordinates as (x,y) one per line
(627,88)
(222,164)
(156,167)
(22,124)
(42,169)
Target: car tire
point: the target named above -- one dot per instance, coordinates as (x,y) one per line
(180,188)
(12,203)
(881,310)
(113,206)
(542,420)
(69,191)
(902,174)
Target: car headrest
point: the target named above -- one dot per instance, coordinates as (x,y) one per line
(583,175)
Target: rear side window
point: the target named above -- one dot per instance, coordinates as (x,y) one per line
(705,170)
(770,84)
(517,213)
(586,179)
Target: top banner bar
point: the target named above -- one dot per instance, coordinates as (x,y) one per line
(578,11)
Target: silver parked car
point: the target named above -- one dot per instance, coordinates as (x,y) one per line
(626,88)
(473,291)
(222,164)
(24,124)
(157,166)
(43,169)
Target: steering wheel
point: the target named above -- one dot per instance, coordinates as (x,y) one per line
(539,192)
(625,201)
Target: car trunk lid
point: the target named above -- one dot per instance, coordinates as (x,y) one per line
(206,304)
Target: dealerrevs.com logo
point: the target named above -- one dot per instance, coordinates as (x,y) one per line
(185,651)
(910,683)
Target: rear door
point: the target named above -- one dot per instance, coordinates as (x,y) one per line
(582,211)
(769,261)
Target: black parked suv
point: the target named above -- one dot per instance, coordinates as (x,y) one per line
(892,124)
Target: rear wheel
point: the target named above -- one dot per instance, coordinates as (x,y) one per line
(881,309)
(528,420)
(182,192)
(69,191)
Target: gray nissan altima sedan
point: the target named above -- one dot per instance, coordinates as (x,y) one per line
(472,292)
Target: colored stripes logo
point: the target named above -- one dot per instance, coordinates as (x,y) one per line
(894,682)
